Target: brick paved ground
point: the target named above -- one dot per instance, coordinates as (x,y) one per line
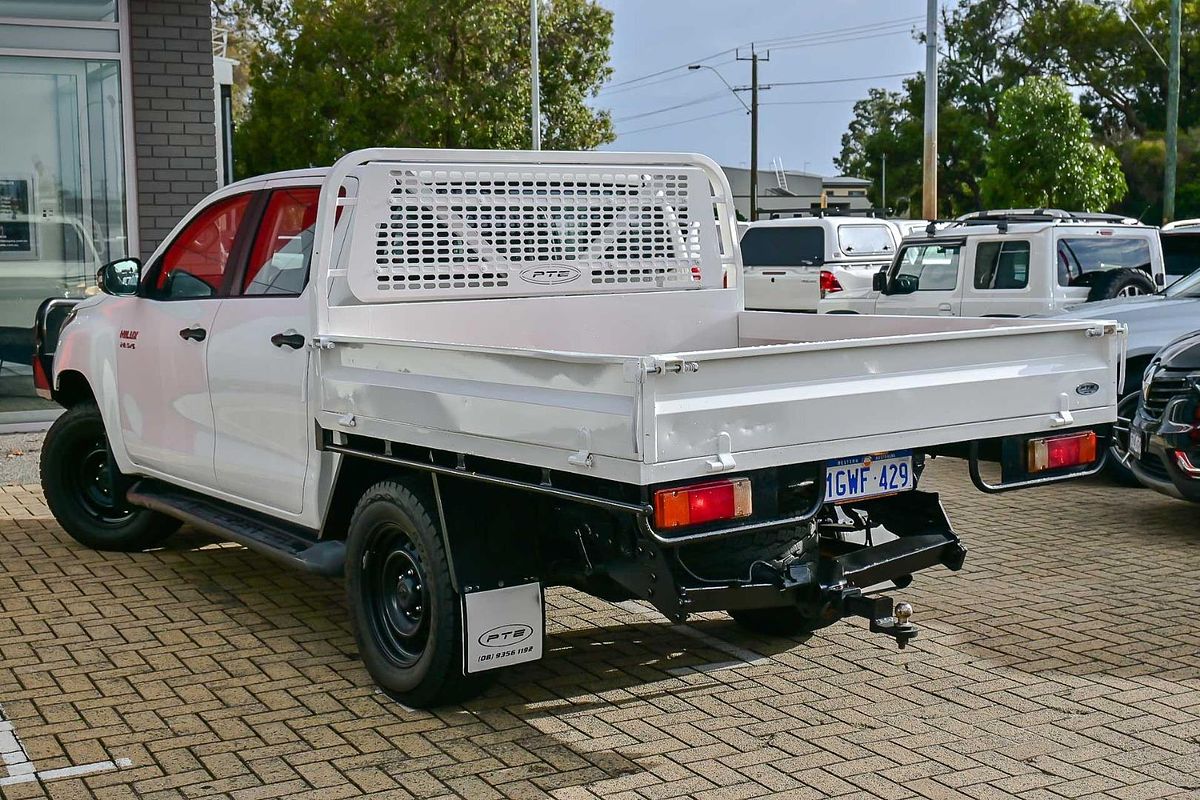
(1062,662)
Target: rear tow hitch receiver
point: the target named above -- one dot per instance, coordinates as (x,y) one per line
(884,618)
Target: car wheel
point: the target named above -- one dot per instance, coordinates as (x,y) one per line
(1117,467)
(84,489)
(407,618)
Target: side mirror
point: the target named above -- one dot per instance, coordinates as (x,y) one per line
(879,281)
(121,277)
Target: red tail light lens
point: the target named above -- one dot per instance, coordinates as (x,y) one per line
(1060,452)
(829,283)
(41,381)
(704,502)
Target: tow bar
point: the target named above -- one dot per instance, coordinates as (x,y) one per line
(883,616)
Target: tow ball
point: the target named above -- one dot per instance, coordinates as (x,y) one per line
(894,621)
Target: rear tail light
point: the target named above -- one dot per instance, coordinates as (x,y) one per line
(703,502)
(41,381)
(1060,452)
(829,283)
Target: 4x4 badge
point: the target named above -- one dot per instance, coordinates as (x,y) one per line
(1087,388)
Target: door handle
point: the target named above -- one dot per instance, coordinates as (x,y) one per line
(195,333)
(288,339)
(945,308)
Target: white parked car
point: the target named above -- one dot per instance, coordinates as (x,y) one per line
(458,377)
(1012,264)
(792,263)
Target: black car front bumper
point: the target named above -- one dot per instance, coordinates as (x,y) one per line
(1169,457)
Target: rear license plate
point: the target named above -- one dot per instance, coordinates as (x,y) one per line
(857,477)
(1135,443)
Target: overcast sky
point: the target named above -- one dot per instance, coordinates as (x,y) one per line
(809,40)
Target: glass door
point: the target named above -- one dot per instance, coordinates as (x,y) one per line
(62,200)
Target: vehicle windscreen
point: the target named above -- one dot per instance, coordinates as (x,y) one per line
(866,240)
(1080,256)
(1185,287)
(1181,252)
(783,247)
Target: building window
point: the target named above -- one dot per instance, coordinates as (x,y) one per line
(62,194)
(73,10)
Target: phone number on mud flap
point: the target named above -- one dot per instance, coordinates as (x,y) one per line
(516,651)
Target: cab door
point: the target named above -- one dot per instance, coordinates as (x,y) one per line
(998,284)
(924,281)
(258,359)
(161,350)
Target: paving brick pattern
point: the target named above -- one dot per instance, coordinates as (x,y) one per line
(1062,662)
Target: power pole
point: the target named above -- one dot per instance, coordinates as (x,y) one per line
(1172,113)
(754,59)
(883,190)
(535,104)
(929,190)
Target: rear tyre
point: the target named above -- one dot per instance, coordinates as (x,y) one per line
(407,618)
(1121,283)
(1118,447)
(84,489)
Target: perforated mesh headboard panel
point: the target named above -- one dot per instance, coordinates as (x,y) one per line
(426,232)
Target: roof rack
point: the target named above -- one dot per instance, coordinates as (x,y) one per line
(1043,215)
(821,213)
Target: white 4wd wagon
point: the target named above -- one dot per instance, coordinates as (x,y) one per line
(1012,264)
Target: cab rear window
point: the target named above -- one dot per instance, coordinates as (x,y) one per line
(783,247)
(866,240)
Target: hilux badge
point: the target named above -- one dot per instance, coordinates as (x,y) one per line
(1087,388)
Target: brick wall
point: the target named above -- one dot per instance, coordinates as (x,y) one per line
(173,112)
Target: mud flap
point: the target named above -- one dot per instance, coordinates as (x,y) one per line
(502,627)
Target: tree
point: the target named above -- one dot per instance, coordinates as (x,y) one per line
(335,75)
(1042,153)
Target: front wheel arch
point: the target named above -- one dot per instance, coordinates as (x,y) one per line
(73,388)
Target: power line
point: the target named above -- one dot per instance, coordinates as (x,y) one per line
(708,98)
(844,80)
(808,102)
(790,41)
(682,121)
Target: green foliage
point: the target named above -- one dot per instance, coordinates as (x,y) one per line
(336,75)
(990,46)
(1041,153)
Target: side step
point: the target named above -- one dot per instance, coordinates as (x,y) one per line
(289,544)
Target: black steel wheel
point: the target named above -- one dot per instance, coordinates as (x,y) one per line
(85,491)
(406,615)
(395,582)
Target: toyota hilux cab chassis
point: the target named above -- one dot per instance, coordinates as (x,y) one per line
(460,377)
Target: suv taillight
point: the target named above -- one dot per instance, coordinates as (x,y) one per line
(829,283)
(41,381)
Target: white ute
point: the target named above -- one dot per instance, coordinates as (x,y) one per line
(791,263)
(460,377)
